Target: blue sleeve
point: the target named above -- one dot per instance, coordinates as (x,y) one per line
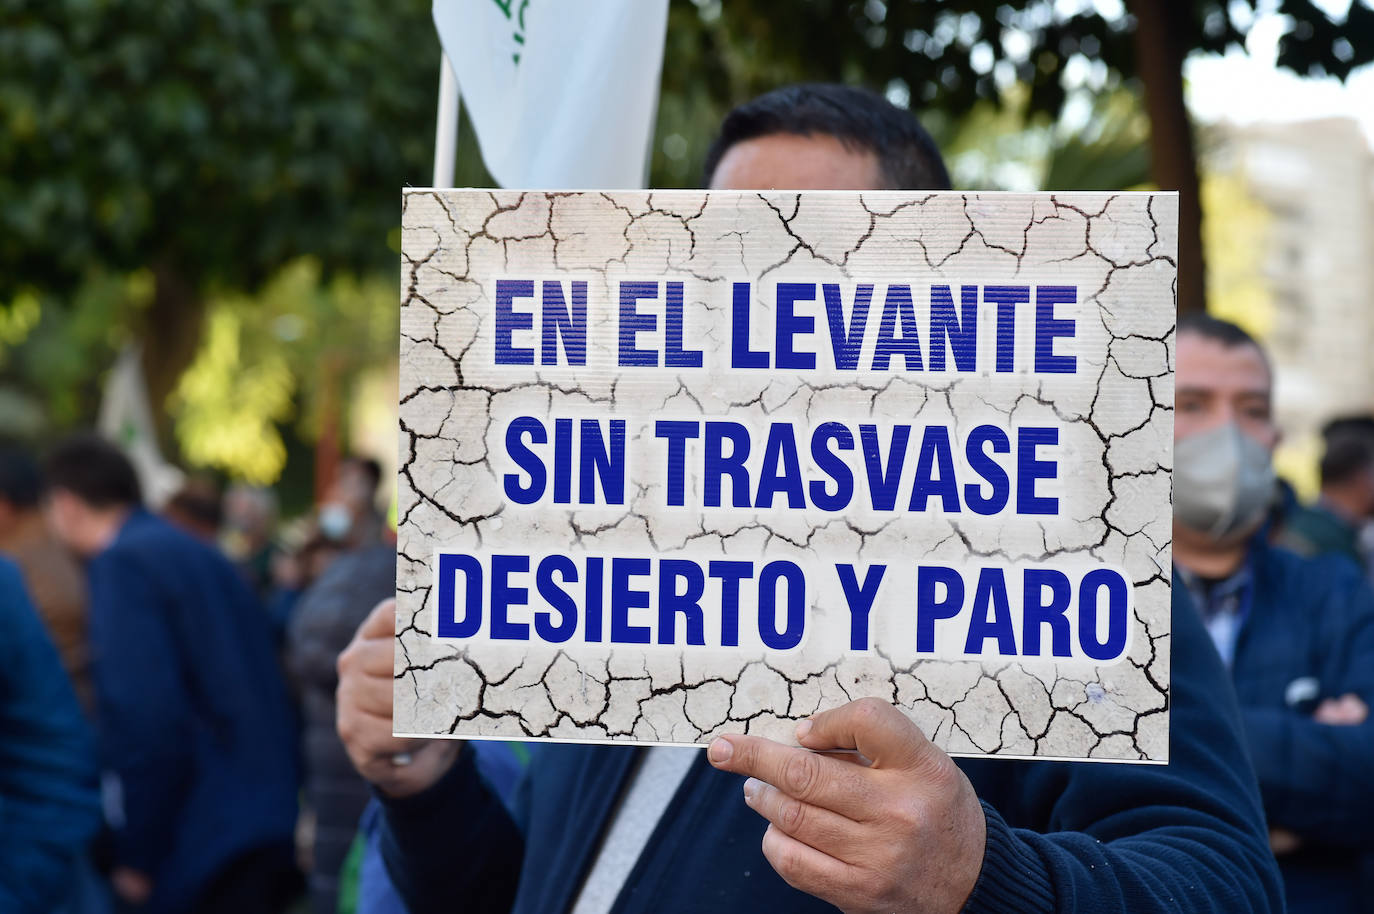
(49,807)
(501,764)
(1315,777)
(453,846)
(1141,839)
(141,701)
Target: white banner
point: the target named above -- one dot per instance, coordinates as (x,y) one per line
(126,418)
(561,94)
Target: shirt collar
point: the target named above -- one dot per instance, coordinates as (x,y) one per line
(1216,597)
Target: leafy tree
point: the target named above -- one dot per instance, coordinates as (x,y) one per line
(946,55)
(203,144)
(159,155)
(292,353)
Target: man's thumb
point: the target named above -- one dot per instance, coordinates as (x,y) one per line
(380,623)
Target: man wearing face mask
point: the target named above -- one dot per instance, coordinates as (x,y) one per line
(1296,633)
(1333,524)
(348,514)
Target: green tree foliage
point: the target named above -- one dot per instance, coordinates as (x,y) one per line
(947,55)
(283,355)
(207,141)
(223,137)
(165,159)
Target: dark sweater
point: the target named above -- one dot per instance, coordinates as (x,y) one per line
(1093,838)
(322,625)
(193,713)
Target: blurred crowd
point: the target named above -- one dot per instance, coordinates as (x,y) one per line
(169,741)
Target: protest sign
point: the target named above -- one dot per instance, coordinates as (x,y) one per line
(682,463)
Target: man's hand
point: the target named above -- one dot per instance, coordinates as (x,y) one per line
(131,885)
(1347,711)
(399,767)
(903,832)
(1282,841)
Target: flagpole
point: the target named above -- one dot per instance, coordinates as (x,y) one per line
(446,125)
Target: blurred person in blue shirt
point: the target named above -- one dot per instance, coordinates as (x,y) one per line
(49,803)
(195,730)
(1334,524)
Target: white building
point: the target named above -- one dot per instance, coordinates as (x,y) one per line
(1316,179)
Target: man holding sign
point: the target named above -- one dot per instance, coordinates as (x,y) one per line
(867,814)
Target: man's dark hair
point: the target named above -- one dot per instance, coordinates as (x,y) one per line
(1348,454)
(198,500)
(21,482)
(1348,425)
(371,470)
(858,118)
(1229,335)
(1214,328)
(95,471)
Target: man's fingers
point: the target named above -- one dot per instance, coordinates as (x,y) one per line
(1355,707)
(370,657)
(1330,713)
(366,679)
(1282,841)
(371,739)
(1348,710)
(380,623)
(372,650)
(828,832)
(880,733)
(805,868)
(368,692)
(801,774)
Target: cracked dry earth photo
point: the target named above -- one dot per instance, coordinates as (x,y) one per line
(607,580)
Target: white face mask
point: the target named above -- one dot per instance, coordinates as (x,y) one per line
(335,521)
(1223,482)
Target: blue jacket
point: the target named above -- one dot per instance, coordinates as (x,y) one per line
(1092,838)
(1310,619)
(499,763)
(49,806)
(193,712)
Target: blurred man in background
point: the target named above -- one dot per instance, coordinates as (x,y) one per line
(52,576)
(323,622)
(348,514)
(1333,524)
(196,508)
(49,804)
(1297,634)
(193,720)
(250,524)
